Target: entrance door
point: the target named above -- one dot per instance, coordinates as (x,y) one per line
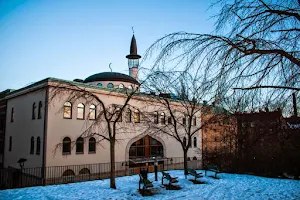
(144,149)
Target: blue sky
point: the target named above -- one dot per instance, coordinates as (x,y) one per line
(71,39)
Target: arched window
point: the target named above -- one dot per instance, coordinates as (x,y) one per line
(79,145)
(184,141)
(32,145)
(121,86)
(169,120)
(12,115)
(117,113)
(146,147)
(130,87)
(183,121)
(162,118)
(40,110)
(110,85)
(66,145)
(136,116)
(156,148)
(84,171)
(99,84)
(80,111)
(68,172)
(195,141)
(38,146)
(67,110)
(156,117)
(10,144)
(128,115)
(92,113)
(33,110)
(92,145)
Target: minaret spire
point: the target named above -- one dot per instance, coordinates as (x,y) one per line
(133,58)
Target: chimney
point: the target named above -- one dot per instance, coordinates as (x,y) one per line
(295,104)
(267,109)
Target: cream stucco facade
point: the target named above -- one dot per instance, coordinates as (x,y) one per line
(53,127)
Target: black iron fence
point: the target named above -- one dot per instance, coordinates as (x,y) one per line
(27,177)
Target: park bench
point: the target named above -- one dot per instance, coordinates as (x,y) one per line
(167,176)
(144,180)
(212,168)
(194,173)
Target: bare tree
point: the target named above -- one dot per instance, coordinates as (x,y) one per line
(107,124)
(255,46)
(177,107)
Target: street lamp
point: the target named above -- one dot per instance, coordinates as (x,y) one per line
(21,162)
(155,167)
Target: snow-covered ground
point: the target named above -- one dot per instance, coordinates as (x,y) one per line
(229,186)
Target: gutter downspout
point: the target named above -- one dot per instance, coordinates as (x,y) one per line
(5,122)
(45,137)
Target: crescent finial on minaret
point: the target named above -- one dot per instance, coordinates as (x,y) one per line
(110,67)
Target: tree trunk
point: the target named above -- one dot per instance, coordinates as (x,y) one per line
(185,161)
(112,165)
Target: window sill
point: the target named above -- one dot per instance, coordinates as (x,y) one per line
(66,153)
(67,117)
(80,119)
(78,153)
(92,152)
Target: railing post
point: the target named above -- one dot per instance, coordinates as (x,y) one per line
(21,176)
(43,175)
(99,170)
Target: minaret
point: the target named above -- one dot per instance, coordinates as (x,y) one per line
(133,60)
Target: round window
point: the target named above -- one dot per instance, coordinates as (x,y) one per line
(130,87)
(99,84)
(121,86)
(110,85)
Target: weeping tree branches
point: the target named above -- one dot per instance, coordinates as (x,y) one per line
(256,44)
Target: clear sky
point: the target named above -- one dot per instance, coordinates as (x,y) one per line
(71,39)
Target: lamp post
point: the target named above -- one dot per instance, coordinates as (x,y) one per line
(21,162)
(155,167)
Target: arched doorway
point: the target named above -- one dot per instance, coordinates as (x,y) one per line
(142,152)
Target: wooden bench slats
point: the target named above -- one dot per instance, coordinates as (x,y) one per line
(212,169)
(169,178)
(145,182)
(194,173)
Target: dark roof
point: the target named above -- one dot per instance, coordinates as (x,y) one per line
(260,116)
(110,76)
(51,79)
(4,92)
(133,50)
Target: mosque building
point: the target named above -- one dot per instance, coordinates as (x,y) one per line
(49,131)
